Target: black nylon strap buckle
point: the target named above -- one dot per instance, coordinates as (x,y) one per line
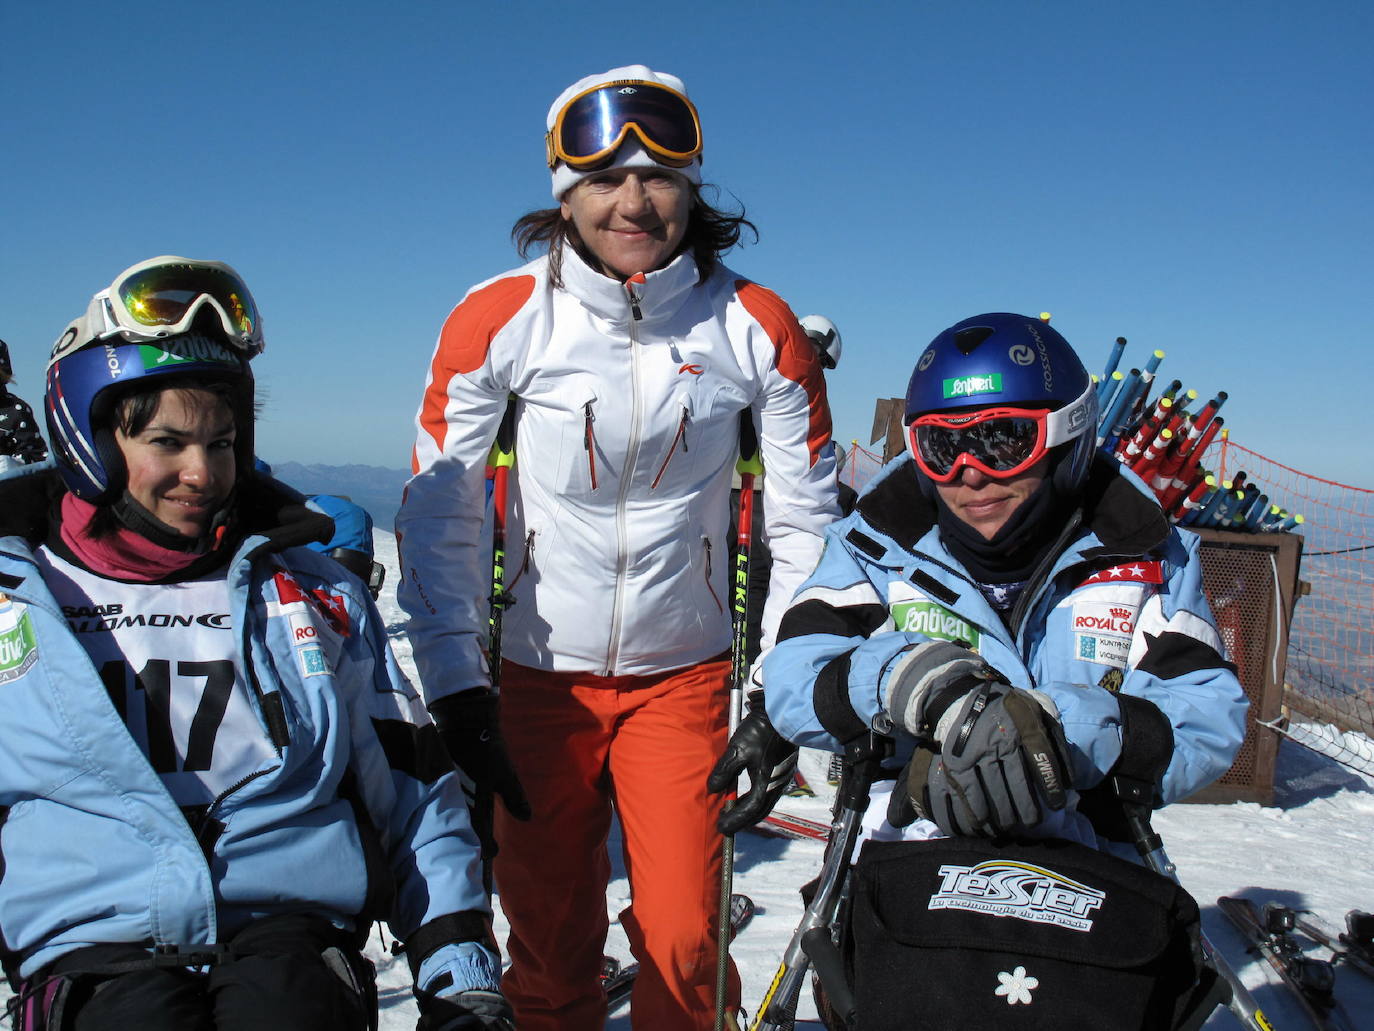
(191,955)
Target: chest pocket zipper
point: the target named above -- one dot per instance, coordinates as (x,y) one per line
(680,437)
(589,441)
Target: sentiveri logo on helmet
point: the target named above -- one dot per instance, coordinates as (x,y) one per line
(965,386)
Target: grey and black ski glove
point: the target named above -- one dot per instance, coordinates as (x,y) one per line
(992,756)
(471,732)
(766,756)
(471,1010)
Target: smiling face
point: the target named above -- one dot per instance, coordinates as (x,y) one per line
(986,504)
(181,464)
(632,219)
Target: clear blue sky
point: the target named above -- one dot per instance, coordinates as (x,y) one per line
(1193,176)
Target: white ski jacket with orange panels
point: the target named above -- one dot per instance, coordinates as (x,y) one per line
(627,428)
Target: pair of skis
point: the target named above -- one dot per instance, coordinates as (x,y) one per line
(1275,931)
(618,980)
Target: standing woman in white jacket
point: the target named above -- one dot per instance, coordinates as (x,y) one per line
(628,352)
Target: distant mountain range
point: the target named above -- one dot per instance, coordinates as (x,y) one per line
(377,489)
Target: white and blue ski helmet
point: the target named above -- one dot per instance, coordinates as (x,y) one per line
(105,355)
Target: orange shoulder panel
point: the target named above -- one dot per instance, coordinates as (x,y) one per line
(796,357)
(464,343)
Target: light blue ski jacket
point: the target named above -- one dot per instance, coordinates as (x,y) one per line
(1121,609)
(359,811)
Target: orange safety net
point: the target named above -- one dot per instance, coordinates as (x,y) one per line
(860,465)
(1329,694)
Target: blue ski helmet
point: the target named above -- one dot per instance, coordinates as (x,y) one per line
(97,361)
(1002,359)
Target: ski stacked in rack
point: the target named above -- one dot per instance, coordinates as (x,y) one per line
(833,769)
(618,981)
(1353,947)
(1311,981)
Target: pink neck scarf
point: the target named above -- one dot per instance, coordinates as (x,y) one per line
(124,555)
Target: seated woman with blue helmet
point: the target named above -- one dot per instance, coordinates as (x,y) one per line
(1005,589)
(1013,616)
(213,776)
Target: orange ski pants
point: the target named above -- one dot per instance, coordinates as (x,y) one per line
(581,744)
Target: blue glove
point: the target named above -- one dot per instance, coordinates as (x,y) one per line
(457,990)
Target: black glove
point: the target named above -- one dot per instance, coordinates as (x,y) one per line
(769,759)
(472,1010)
(471,732)
(992,756)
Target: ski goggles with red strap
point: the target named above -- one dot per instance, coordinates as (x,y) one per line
(593,125)
(163,296)
(998,442)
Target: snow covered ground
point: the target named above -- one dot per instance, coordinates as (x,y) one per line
(1310,850)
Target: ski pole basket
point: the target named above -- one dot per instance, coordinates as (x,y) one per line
(1251,582)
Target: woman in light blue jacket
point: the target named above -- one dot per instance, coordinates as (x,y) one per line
(1011,608)
(213,776)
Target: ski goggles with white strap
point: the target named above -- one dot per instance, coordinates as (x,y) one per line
(163,296)
(998,442)
(593,125)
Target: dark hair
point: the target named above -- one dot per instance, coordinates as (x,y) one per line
(134,411)
(710,233)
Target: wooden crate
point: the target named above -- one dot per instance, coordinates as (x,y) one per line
(1251,581)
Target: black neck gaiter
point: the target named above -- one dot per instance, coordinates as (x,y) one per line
(1011,555)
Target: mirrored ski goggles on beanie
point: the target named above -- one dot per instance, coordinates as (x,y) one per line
(163,297)
(998,442)
(593,125)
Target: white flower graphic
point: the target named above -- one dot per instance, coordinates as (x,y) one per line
(1017,986)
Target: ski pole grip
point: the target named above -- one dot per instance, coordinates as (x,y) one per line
(749,461)
(503,448)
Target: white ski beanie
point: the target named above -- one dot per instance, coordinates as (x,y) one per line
(630,154)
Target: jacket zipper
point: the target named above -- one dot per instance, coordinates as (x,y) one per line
(622,542)
(1037,582)
(706,543)
(213,806)
(680,436)
(589,441)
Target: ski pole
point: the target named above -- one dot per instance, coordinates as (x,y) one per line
(1112,361)
(501,460)
(777,1011)
(1118,404)
(1192,499)
(749,466)
(1106,390)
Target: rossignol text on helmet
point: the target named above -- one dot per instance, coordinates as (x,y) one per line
(110,352)
(997,392)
